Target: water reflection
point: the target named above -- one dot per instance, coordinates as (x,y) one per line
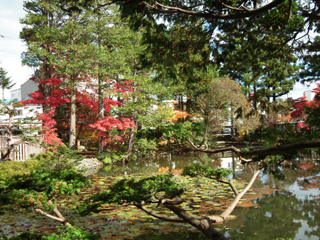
(291,212)
(220,160)
(280,215)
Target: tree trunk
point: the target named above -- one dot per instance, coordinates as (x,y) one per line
(47,88)
(188,105)
(101,109)
(72,135)
(130,143)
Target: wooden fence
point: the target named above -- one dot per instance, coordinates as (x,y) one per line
(22,151)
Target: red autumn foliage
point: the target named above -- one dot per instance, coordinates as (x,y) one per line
(87,112)
(301,104)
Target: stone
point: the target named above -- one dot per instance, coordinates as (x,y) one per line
(92,166)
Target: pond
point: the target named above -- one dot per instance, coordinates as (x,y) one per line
(291,212)
(273,209)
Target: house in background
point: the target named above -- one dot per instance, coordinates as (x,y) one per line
(27,88)
(24,91)
(23,94)
(309,95)
(16,95)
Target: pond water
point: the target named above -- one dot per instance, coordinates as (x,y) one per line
(291,212)
(272,209)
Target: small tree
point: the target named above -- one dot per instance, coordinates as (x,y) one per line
(217,106)
(5,82)
(21,125)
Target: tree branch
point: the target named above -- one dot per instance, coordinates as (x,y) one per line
(230,183)
(203,224)
(164,218)
(263,151)
(228,211)
(63,221)
(242,12)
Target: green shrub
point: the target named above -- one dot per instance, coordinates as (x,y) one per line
(110,157)
(73,233)
(59,158)
(145,147)
(51,159)
(68,233)
(9,169)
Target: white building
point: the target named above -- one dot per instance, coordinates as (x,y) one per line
(27,88)
(22,93)
(16,95)
(309,95)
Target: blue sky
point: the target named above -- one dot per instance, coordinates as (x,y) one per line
(11,47)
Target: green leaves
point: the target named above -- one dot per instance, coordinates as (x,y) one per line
(68,233)
(202,170)
(5,82)
(38,187)
(130,191)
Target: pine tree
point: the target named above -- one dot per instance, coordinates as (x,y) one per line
(5,82)
(40,31)
(257,56)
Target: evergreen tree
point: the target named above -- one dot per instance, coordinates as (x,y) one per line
(40,31)
(180,56)
(311,53)
(257,55)
(5,82)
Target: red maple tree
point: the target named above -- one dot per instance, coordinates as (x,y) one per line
(87,112)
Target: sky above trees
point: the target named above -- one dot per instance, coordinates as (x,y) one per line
(11,46)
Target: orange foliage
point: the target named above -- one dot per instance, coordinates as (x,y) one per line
(177,171)
(163,170)
(177,114)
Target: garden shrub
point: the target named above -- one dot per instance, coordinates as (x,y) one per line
(68,233)
(145,147)
(58,158)
(9,169)
(110,157)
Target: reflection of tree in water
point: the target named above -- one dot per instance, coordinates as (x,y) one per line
(311,210)
(294,169)
(240,213)
(277,217)
(152,165)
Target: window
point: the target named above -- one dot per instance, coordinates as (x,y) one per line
(19,112)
